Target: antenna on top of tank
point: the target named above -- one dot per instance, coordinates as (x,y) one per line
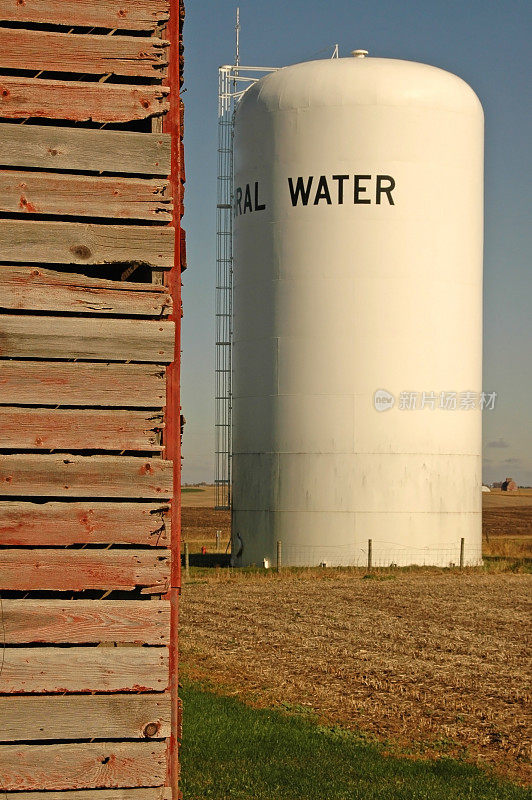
(237,37)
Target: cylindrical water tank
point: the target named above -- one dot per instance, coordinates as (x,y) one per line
(358,315)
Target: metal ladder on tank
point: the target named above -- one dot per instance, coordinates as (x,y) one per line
(233,80)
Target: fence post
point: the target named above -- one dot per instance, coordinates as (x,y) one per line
(279,555)
(462,543)
(217,540)
(370,554)
(187,561)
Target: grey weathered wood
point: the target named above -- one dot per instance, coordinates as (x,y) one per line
(85,622)
(77,384)
(82,149)
(39,670)
(79,429)
(61,570)
(79,101)
(86,243)
(72,766)
(85,196)
(85,476)
(84,717)
(105,339)
(158,793)
(89,54)
(56,524)
(123,14)
(25,288)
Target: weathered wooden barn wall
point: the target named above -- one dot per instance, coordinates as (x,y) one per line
(91,250)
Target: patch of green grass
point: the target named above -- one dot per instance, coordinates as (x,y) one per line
(231,751)
(186,489)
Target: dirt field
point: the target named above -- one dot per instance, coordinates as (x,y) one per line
(507,523)
(431,661)
(200,496)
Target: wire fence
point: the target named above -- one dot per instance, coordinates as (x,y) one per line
(378,553)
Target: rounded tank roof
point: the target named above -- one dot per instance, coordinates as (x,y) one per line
(363,81)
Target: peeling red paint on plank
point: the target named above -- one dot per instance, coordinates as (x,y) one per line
(85,196)
(73,766)
(85,621)
(79,384)
(57,670)
(123,14)
(154,793)
(24,524)
(84,476)
(79,101)
(77,570)
(90,54)
(56,429)
(26,288)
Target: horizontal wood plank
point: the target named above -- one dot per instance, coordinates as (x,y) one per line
(55,429)
(77,384)
(40,670)
(84,196)
(86,243)
(73,766)
(159,793)
(76,570)
(85,476)
(123,14)
(25,524)
(85,622)
(49,147)
(67,337)
(144,716)
(79,101)
(89,54)
(25,288)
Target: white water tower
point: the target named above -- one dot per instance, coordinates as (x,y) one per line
(357,282)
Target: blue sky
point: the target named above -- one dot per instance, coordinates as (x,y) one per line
(485,42)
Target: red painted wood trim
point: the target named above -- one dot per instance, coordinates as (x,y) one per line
(172,123)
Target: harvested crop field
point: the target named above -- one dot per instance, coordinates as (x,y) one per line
(434,662)
(507,523)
